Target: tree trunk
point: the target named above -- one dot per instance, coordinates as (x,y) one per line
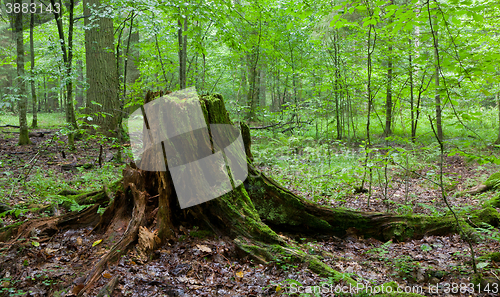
(101,102)
(79,88)
(253,89)
(182,40)
(67,54)
(497,97)
(34,123)
(336,62)
(23,100)
(262,88)
(410,73)
(146,200)
(388,98)
(437,97)
(53,97)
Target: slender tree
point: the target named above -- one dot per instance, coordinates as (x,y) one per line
(23,99)
(182,22)
(388,98)
(497,97)
(34,123)
(67,55)
(437,98)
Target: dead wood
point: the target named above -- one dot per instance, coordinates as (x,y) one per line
(108,289)
(478,189)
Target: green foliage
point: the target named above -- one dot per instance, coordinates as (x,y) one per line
(489,232)
(404,266)
(493,181)
(381,251)
(304,164)
(45,120)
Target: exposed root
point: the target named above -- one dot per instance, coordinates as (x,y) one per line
(137,219)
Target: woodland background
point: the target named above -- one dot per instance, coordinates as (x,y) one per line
(386,106)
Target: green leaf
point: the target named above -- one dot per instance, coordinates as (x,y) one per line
(425,247)
(96,103)
(477,17)
(35,243)
(334,20)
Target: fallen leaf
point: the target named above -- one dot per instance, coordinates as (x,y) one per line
(50,251)
(239,274)
(106,274)
(204,248)
(97,242)
(77,288)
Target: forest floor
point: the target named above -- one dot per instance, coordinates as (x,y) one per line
(197,263)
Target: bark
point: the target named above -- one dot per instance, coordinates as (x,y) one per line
(67,54)
(250,214)
(253,89)
(437,97)
(412,111)
(336,61)
(182,41)
(23,100)
(388,99)
(242,88)
(52,94)
(262,87)
(79,89)
(101,71)
(34,123)
(497,97)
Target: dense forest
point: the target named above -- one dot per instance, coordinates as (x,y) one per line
(368,133)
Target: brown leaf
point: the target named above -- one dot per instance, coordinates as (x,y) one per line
(204,248)
(77,288)
(106,274)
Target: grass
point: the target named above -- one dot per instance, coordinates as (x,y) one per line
(45,120)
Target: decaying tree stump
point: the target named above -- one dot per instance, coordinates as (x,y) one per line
(146,203)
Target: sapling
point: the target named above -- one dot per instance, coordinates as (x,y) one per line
(463,234)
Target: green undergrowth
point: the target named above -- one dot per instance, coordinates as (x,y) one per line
(47,187)
(323,168)
(45,120)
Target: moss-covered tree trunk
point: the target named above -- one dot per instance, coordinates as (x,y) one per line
(146,202)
